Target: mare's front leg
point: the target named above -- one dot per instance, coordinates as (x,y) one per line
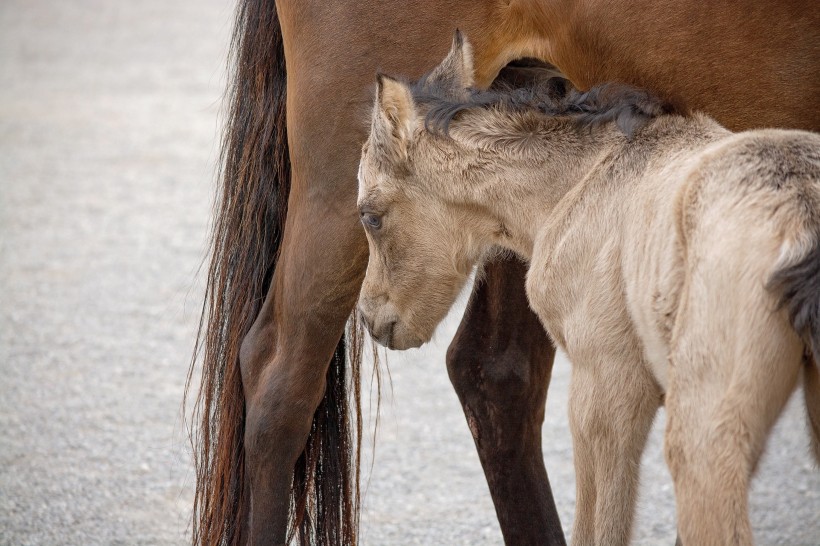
(500,364)
(613,401)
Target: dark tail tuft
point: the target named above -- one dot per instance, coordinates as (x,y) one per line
(325,494)
(799,286)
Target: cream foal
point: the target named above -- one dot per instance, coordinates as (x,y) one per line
(678,265)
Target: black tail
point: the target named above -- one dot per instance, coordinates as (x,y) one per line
(250,215)
(799,286)
(800,295)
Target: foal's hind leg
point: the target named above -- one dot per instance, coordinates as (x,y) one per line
(730,377)
(613,401)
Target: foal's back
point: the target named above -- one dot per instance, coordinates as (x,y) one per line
(686,263)
(745,204)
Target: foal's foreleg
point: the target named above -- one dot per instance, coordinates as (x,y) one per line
(612,406)
(500,364)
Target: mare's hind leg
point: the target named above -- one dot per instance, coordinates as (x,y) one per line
(730,378)
(613,401)
(285,355)
(500,363)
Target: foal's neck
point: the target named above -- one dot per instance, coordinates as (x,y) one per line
(515,186)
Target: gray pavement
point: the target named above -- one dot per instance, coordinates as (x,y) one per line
(108,131)
(107,144)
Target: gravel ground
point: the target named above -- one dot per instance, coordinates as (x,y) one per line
(107,147)
(107,144)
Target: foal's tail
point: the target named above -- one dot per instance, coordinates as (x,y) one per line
(247,230)
(798,282)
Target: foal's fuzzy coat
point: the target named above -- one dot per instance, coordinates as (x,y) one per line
(677,262)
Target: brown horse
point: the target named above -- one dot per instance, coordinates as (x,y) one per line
(277,449)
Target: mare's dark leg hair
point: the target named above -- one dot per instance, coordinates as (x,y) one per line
(500,363)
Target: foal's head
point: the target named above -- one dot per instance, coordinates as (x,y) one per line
(424,236)
(421,255)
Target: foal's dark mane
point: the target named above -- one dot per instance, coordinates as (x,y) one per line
(629,107)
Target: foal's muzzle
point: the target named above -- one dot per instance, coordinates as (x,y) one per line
(384,326)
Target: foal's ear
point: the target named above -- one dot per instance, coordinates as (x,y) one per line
(455,72)
(394,118)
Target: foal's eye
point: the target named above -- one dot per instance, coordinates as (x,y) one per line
(372,221)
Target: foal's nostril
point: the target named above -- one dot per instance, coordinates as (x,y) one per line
(379,321)
(391,328)
(383,333)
